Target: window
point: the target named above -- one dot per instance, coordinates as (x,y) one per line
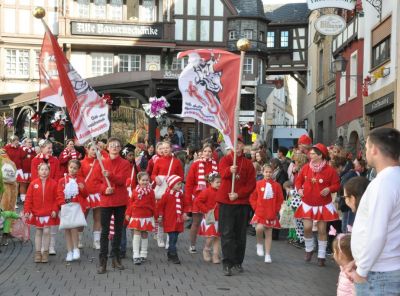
(342,98)
(191,30)
(100,9)
(248,34)
(353,71)
(321,68)
(271,39)
(116,9)
(178,7)
(284,38)
(147,11)
(129,62)
(36,69)
(179,64)
(261,36)
(83,8)
(17,62)
(192,7)
(381,52)
(218,31)
(218,8)
(248,66)
(102,64)
(204,30)
(178,29)
(232,35)
(205,7)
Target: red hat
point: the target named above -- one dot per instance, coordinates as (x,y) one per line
(172,180)
(304,140)
(322,148)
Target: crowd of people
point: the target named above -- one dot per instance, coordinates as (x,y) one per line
(329,201)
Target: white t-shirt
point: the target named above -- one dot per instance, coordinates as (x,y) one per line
(375,240)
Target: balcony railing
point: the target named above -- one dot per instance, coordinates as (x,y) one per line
(346,36)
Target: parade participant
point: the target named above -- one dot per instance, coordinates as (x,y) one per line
(14,154)
(71,188)
(375,242)
(171,216)
(41,210)
(155,157)
(113,201)
(342,255)
(304,144)
(206,202)
(27,154)
(68,153)
(140,216)
(353,190)
(315,183)
(91,172)
(165,166)
(8,182)
(266,201)
(196,182)
(234,207)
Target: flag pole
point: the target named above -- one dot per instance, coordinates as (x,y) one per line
(243,45)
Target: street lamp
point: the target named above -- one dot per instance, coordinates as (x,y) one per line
(339,64)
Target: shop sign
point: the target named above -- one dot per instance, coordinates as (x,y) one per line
(117,30)
(330,24)
(379,104)
(318,4)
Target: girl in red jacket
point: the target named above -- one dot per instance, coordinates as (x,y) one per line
(71,188)
(140,215)
(171,214)
(206,202)
(41,209)
(68,153)
(266,201)
(27,154)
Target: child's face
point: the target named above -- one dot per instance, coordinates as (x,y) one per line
(216,183)
(178,186)
(43,171)
(350,201)
(47,150)
(130,156)
(207,153)
(73,169)
(267,173)
(144,181)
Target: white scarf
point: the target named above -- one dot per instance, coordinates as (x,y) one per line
(71,188)
(268,192)
(201,180)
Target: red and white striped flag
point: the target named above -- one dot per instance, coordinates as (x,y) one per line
(62,86)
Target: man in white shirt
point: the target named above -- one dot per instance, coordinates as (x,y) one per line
(375,241)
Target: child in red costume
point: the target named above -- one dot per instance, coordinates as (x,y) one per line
(41,209)
(171,214)
(27,154)
(140,215)
(206,202)
(71,188)
(68,153)
(266,201)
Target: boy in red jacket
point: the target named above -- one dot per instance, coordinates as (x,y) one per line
(171,214)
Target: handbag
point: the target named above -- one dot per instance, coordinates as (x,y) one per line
(160,189)
(286,216)
(71,216)
(209,217)
(20,229)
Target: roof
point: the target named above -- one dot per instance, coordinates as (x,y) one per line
(292,13)
(249,8)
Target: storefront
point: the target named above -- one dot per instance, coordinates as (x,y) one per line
(380,112)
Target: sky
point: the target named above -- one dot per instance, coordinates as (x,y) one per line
(282,1)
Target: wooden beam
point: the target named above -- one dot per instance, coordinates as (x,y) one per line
(299,78)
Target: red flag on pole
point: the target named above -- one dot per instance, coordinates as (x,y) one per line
(62,86)
(209,86)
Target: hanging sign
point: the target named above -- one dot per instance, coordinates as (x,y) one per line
(330,24)
(345,4)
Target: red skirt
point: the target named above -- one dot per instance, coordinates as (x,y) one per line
(318,213)
(209,230)
(141,224)
(24,177)
(44,221)
(93,201)
(274,223)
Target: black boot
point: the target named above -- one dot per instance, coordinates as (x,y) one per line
(103,266)
(116,263)
(175,259)
(169,255)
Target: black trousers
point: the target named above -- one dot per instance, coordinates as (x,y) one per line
(119,215)
(232,225)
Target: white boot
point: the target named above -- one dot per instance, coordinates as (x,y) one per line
(143,249)
(52,246)
(96,240)
(260,250)
(80,243)
(136,249)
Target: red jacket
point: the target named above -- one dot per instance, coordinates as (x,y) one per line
(95,181)
(244,185)
(80,198)
(143,207)
(27,155)
(41,201)
(312,184)
(162,165)
(119,170)
(66,156)
(54,167)
(14,153)
(172,222)
(192,180)
(150,164)
(267,209)
(207,201)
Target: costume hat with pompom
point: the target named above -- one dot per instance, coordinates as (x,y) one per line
(173,180)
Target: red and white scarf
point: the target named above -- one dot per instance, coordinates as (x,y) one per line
(317,167)
(74,153)
(178,204)
(43,156)
(27,149)
(201,180)
(143,190)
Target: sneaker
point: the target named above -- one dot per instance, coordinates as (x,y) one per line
(137,261)
(69,257)
(268,258)
(192,250)
(52,251)
(76,254)
(260,250)
(96,245)
(227,270)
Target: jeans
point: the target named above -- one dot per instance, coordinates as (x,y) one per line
(173,239)
(123,240)
(119,215)
(380,284)
(232,225)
